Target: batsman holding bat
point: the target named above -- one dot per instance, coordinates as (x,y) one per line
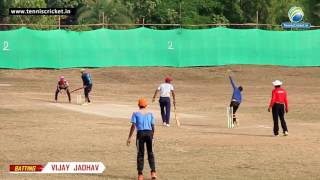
(165,90)
(87,85)
(144,121)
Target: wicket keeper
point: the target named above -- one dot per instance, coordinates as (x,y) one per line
(62,85)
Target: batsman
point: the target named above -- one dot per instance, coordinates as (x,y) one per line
(87,85)
(235,100)
(165,103)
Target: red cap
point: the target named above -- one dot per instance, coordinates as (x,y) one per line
(168,79)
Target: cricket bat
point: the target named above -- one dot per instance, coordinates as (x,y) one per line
(76,89)
(175,117)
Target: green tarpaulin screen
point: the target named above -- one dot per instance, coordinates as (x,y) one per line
(25,48)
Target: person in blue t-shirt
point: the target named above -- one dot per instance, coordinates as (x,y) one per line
(144,121)
(87,84)
(236,99)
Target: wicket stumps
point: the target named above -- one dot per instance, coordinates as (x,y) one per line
(79,99)
(230,117)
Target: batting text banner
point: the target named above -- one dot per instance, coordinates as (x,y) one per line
(61,167)
(25,168)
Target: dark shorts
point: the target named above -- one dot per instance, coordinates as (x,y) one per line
(88,88)
(235,105)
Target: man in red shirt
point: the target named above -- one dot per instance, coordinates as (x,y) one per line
(279,105)
(62,84)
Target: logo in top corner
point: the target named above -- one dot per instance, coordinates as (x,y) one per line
(295,14)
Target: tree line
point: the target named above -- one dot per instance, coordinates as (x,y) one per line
(184,12)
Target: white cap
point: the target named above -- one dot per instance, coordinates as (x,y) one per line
(277,83)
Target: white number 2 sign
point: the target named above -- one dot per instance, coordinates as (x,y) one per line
(5,46)
(170,45)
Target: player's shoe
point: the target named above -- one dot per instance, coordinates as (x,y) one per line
(153,175)
(168,125)
(276,135)
(140,177)
(164,124)
(84,104)
(285,133)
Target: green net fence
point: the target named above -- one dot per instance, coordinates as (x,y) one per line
(25,48)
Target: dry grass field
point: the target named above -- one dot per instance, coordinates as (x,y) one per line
(35,130)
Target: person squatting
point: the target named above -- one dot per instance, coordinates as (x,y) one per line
(62,85)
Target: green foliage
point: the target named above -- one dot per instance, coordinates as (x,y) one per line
(184,12)
(109,11)
(145,9)
(29,19)
(233,11)
(279,10)
(312,11)
(200,12)
(219,19)
(79,28)
(4,6)
(251,8)
(167,12)
(64,3)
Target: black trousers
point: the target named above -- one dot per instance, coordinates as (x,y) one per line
(278,111)
(235,105)
(165,107)
(87,90)
(68,93)
(145,137)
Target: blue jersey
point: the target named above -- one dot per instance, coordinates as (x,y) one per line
(142,121)
(86,79)
(236,96)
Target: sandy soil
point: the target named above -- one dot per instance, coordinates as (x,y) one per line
(34,130)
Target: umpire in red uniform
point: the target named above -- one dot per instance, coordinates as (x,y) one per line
(279,105)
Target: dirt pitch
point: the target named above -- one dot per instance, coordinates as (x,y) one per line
(34,130)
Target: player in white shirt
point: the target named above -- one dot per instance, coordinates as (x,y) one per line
(165,89)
